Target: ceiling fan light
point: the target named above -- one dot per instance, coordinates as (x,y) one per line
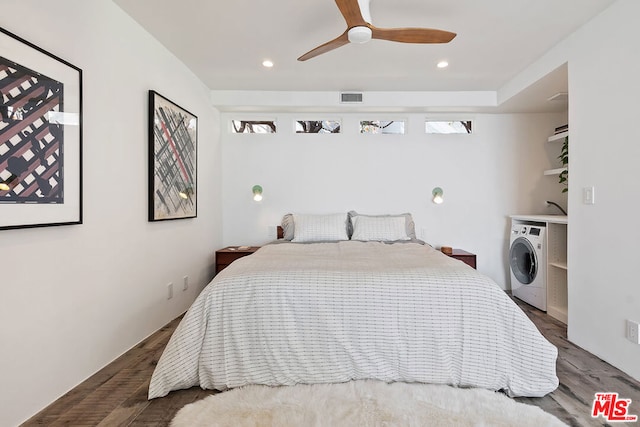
(359,34)
(360,30)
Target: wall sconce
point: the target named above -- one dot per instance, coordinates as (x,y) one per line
(188,191)
(257,193)
(438,195)
(5,185)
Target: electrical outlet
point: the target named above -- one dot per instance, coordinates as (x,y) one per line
(633,333)
(185,283)
(170,290)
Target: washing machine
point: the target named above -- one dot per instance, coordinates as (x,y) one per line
(528,263)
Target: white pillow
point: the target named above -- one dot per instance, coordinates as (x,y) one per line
(319,228)
(410,226)
(379,228)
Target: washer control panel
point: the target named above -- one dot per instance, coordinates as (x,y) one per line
(525,230)
(519,229)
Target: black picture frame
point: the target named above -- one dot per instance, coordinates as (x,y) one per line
(173,160)
(40,137)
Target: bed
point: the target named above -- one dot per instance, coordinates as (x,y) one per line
(331,312)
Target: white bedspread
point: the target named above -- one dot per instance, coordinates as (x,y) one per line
(333,312)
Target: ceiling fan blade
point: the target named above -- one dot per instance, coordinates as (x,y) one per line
(350,9)
(329,46)
(412,35)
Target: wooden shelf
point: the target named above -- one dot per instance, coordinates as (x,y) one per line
(557,171)
(559,136)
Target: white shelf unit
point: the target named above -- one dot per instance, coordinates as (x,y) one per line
(554,171)
(557,301)
(562,265)
(557,137)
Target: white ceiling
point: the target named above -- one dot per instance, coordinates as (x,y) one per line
(224,43)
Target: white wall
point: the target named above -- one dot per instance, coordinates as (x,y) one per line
(486,176)
(74,298)
(97,289)
(604,288)
(603,240)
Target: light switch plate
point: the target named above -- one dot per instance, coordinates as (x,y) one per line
(633,331)
(589,195)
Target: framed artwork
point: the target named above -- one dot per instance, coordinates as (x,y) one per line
(40,137)
(173,145)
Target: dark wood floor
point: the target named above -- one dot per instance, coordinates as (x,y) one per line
(117,395)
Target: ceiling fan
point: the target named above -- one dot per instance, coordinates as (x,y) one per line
(360,30)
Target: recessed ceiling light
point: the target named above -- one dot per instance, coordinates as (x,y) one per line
(267,63)
(443,64)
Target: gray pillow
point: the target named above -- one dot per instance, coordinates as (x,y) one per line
(408,222)
(288,227)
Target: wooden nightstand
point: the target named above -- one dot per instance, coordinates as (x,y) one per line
(464,256)
(226,256)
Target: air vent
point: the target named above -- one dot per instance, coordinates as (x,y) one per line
(350,98)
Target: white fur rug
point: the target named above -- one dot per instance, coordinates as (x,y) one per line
(361,403)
